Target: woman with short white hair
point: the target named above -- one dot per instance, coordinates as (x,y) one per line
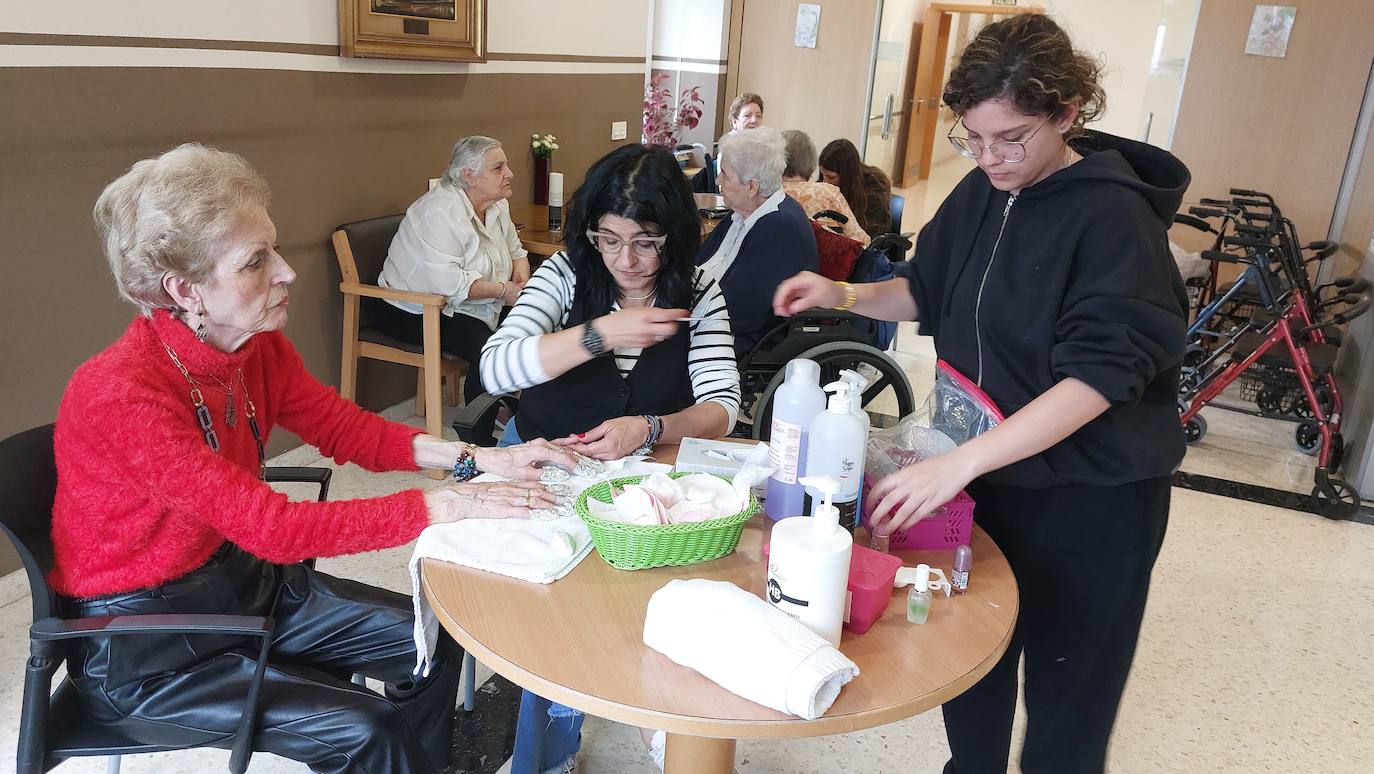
(161,505)
(458,241)
(767,239)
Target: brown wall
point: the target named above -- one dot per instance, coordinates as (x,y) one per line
(336,147)
(822,91)
(1277,125)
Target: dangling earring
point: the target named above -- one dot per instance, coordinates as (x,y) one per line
(201,332)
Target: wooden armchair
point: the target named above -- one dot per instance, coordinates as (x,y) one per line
(361,249)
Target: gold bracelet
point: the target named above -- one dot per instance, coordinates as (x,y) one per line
(851,295)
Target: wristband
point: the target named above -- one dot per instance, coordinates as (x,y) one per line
(851,295)
(465,467)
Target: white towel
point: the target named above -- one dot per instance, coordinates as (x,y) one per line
(534,551)
(527,549)
(747,646)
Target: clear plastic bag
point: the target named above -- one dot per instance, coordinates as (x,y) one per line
(959,408)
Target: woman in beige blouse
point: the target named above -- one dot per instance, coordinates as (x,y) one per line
(814,197)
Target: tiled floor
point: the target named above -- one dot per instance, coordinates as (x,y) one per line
(1255,655)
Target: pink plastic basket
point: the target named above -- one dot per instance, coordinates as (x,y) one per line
(946,529)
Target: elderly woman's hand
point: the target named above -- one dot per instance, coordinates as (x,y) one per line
(806,291)
(523,462)
(496,500)
(520,271)
(609,440)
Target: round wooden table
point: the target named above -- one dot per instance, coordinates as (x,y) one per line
(578,641)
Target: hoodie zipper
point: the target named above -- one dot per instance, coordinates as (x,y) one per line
(978,304)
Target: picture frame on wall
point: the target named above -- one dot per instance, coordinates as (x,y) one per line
(429,30)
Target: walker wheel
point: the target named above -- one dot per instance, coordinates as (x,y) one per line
(1303,409)
(1336,499)
(1308,437)
(1270,400)
(1194,429)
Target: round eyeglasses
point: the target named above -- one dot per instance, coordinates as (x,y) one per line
(1010,151)
(611,244)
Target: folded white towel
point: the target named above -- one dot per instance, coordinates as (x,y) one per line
(747,646)
(534,551)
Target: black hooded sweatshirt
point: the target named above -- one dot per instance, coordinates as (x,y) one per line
(1072,278)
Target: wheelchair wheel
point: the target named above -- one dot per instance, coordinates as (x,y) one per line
(887,398)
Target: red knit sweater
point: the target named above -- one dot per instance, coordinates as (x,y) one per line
(141,498)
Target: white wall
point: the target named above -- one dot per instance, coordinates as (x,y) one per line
(1122,33)
(584,27)
(690,29)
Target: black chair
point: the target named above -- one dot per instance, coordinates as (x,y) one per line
(53,726)
(895,244)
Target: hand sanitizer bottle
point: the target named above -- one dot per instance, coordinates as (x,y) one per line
(857,385)
(836,447)
(795,404)
(808,565)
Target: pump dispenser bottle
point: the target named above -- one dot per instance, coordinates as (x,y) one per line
(835,447)
(808,565)
(795,405)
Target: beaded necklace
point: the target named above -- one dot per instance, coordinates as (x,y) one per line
(207,425)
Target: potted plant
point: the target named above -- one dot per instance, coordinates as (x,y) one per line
(663,123)
(543,146)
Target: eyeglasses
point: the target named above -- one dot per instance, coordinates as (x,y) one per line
(1010,151)
(611,244)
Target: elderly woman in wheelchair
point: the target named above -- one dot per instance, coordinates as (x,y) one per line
(160,506)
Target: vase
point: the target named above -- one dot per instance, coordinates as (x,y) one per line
(541,180)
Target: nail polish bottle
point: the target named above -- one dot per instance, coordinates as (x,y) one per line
(918,598)
(963,562)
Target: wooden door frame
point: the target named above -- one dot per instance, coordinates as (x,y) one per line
(918,141)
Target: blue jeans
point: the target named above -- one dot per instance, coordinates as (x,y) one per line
(546,733)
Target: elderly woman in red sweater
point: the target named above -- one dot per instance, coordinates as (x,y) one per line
(161,507)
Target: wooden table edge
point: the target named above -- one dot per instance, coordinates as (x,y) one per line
(783,727)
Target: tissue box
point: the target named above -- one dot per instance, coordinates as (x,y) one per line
(692,457)
(944,530)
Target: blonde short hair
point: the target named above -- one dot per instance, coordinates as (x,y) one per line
(166,214)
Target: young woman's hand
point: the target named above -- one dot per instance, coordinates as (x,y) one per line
(497,500)
(912,493)
(523,462)
(806,291)
(639,327)
(609,440)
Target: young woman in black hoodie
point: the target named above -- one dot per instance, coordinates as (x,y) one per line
(1046,278)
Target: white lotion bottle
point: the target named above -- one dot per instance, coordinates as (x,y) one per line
(857,385)
(836,447)
(808,565)
(795,405)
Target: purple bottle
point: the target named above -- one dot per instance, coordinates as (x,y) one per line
(795,404)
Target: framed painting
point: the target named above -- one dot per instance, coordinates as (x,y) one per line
(432,30)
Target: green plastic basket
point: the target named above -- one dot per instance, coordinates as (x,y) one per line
(641,546)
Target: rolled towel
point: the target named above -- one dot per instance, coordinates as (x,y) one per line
(747,646)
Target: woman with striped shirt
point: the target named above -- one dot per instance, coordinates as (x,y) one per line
(619,342)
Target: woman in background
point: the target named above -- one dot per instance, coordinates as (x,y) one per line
(458,241)
(867,188)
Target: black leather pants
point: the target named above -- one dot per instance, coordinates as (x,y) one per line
(182,689)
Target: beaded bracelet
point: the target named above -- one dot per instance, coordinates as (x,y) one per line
(465,467)
(655,432)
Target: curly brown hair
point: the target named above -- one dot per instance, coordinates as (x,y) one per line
(1029,60)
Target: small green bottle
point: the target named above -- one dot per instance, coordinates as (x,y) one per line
(918,598)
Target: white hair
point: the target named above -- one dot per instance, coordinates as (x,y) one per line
(167,214)
(756,154)
(468,155)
